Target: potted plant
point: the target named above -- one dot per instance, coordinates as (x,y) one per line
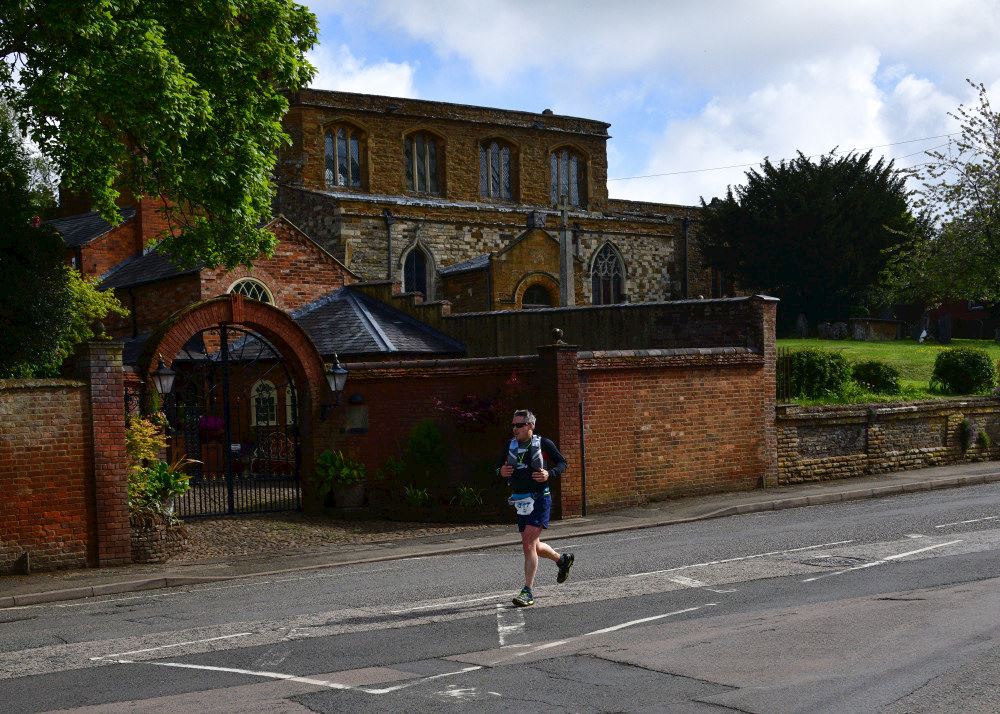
(167,481)
(343,476)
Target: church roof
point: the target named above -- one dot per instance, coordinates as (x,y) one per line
(348,322)
(82,228)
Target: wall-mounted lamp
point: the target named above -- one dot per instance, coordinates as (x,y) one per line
(336,377)
(163,377)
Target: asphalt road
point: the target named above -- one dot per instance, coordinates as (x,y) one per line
(887,605)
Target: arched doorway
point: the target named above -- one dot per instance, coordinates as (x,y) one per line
(247,386)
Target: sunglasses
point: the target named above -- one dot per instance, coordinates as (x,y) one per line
(518,425)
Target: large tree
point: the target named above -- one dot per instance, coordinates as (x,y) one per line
(960,191)
(813,233)
(162,98)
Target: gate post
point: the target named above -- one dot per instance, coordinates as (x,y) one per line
(560,411)
(101,366)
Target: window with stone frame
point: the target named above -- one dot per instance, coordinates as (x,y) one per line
(607,277)
(344,149)
(424,163)
(253,289)
(263,404)
(495,176)
(415,272)
(567,177)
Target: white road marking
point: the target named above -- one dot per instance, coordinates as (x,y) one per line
(962,523)
(745,557)
(692,583)
(176,644)
(439,605)
(915,535)
(883,561)
(294,678)
(510,622)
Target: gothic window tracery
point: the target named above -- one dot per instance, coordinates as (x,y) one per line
(253,289)
(495,170)
(263,404)
(607,277)
(567,177)
(423,163)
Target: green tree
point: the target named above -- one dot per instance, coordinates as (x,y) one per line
(162,98)
(46,308)
(813,233)
(960,192)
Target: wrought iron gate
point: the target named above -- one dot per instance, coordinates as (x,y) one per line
(235,410)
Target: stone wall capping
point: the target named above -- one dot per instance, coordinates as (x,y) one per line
(40,383)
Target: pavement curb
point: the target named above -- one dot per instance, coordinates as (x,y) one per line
(169,581)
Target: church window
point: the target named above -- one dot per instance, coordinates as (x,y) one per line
(263,404)
(494,170)
(607,277)
(343,148)
(423,163)
(415,272)
(567,176)
(253,289)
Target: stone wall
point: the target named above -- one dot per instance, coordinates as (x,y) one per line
(844,441)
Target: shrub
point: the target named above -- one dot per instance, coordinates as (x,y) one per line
(416,497)
(468,498)
(876,376)
(425,454)
(963,370)
(334,469)
(816,373)
(983,440)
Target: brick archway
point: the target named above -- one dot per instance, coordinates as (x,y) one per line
(300,354)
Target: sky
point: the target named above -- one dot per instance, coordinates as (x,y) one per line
(696,92)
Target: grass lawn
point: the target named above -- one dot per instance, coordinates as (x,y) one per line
(914,361)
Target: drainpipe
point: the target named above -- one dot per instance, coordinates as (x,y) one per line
(684,243)
(389,220)
(489,283)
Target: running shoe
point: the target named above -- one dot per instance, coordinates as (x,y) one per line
(565,563)
(524,598)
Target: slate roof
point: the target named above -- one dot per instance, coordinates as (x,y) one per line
(480,262)
(348,322)
(142,269)
(82,228)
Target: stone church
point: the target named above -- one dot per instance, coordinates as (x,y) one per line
(467,204)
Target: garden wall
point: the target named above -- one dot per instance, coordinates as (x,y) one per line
(844,441)
(62,468)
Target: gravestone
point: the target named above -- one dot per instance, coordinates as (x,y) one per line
(944,329)
(801,325)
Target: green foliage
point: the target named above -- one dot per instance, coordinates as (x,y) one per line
(963,370)
(416,497)
(956,260)
(964,434)
(176,99)
(983,440)
(814,234)
(143,441)
(816,373)
(876,376)
(425,454)
(467,497)
(334,469)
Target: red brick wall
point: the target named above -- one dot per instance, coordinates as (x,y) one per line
(46,473)
(297,273)
(153,303)
(107,251)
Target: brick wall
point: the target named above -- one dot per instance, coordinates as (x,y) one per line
(46,473)
(107,251)
(823,443)
(153,303)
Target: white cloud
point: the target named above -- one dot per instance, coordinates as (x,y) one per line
(337,68)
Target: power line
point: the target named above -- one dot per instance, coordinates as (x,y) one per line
(743,166)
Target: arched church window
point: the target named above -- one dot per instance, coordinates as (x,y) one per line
(494,170)
(536,296)
(263,404)
(344,151)
(567,177)
(253,289)
(415,272)
(607,277)
(424,163)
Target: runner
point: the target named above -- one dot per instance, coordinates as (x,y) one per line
(528,464)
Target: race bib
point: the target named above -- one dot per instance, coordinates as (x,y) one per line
(522,503)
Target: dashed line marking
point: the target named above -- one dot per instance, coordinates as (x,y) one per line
(745,557)
(962,523)
(176,644)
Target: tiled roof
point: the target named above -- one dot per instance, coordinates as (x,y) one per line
(348,322)
(142,269)
(480,262)
(84,227)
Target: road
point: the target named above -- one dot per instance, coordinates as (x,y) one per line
(886,605)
